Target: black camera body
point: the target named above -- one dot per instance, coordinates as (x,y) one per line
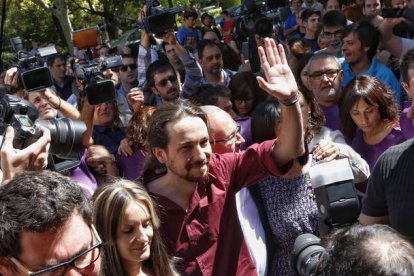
(158,20)
(338,206)
(66,134)
(335,194)
(98,89)
(34,75)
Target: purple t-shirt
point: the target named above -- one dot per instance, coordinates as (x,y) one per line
(245,131)
(83,176)
(332,119)
(406,124)
(131,167)
(371,152)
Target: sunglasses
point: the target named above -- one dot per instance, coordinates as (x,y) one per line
(164,82)
(131,66)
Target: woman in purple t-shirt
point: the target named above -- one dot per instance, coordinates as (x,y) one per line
(369,118)
(131,161)
(245,96)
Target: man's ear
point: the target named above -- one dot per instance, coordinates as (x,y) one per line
(154,90)
(160,154)
(341,76)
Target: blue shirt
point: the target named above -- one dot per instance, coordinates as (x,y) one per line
(378,70)
(108,137)
(188,37)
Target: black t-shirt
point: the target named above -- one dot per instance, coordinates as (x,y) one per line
(391,188)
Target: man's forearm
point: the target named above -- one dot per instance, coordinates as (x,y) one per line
(290,135)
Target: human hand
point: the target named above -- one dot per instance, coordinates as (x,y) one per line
(100,159)
(387,25)
(135,98)
(34,157)
(326,150)
(280,80)
(12,77)
(125,147)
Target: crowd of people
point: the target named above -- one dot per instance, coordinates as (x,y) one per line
(200,164)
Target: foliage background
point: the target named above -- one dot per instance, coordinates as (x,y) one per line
(25,18)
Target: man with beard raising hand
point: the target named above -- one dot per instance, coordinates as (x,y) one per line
(200,224)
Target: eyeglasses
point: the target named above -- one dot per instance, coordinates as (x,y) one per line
(330,74)
(337,34)
(164,82)
(131,66)
(81,261)
(231,139)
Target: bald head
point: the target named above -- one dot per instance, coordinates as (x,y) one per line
(222,130)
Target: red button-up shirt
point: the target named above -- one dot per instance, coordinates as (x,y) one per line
(208,237)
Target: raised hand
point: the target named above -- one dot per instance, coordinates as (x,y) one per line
(280,81)
(136,99)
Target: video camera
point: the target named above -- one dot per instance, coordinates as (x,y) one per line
(338,206)
(66,134)
(158,20)
(98,89)
(34,75)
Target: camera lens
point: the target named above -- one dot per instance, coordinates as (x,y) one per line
(305,255)
(66,136)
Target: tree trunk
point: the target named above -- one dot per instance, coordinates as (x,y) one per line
(59,10)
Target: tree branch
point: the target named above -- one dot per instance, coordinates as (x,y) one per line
(90,10)
(42,4)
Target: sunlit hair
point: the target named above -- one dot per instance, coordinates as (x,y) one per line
(374,93)
(136,131)
(110,203)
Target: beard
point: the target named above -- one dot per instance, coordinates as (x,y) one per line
(192,171)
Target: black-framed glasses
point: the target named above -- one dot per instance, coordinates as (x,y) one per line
(80,261)
(164,82)
(330,74)
(232,138)
(131,66)
(337,34)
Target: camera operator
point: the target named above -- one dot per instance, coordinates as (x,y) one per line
(50,106)
(366,250)
(61,81)
(161,78)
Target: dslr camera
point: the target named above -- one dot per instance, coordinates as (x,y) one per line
(158,20)
(34,75)
(338,206)
(66,134)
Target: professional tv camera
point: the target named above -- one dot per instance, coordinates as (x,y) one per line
(66,134)
(338,206)
(157,19)
(98,89)
(34,75)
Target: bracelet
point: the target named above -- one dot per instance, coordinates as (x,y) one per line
(290,101)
